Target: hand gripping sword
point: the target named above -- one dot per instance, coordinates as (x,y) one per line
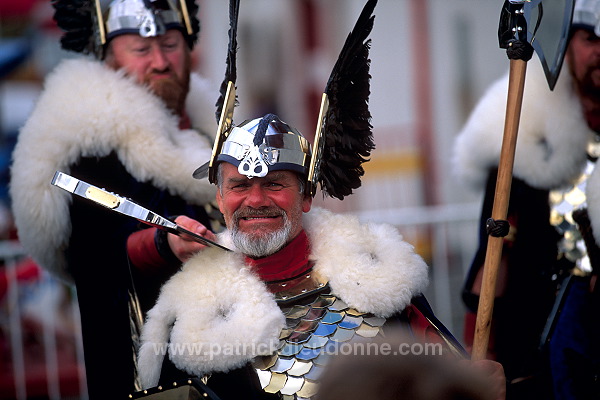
(125,206)
(521,30)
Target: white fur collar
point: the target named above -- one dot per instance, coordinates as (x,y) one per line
(552,135)
(551,142)
(87,109)
(216,301)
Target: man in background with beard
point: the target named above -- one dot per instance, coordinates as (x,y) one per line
(545,324)
(135,121)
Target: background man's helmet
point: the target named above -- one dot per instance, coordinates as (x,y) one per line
(587,15)
(90,24)
(147,20)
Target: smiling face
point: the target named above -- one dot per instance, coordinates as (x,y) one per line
(162,63)
(263,214)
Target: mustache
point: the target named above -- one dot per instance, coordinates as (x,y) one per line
(257,212)
(168,72)
(587,84)
(589,90)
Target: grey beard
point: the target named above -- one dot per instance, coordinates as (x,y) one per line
(263,245)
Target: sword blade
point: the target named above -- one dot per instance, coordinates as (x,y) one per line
(125,206)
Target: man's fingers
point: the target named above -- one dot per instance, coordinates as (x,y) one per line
(193,226)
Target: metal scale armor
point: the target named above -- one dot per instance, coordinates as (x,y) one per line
(315,331)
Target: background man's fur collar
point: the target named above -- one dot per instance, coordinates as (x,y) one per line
(87,109)
(551,142)
(552,137)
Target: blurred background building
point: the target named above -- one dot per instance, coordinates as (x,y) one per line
(431,61)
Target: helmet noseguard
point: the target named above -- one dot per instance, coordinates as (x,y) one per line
(586,14)
(90,24)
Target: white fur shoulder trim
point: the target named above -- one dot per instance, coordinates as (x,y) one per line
(369,266)
(212,316)
(551,140)
(88,110)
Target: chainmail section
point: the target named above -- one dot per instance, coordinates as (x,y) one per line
(563,203)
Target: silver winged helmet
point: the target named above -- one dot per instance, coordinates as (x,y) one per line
(343,138)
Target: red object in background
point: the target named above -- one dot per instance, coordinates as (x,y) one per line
(26,271)
(16,8)
(34,358)
(36,380)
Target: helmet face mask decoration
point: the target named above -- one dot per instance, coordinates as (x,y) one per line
(89,25)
